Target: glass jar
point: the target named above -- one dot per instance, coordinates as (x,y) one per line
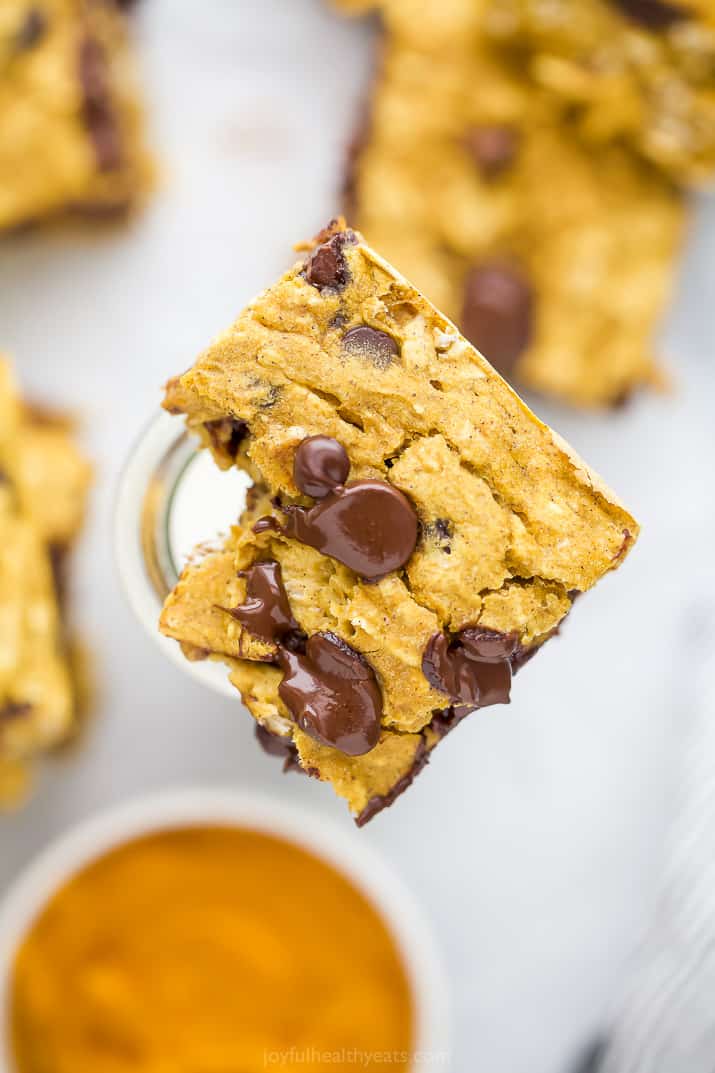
(172,499)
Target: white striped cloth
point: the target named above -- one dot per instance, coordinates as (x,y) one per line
(667,1022)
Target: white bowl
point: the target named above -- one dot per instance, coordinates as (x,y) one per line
(346,851)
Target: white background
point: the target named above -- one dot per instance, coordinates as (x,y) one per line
(535,838)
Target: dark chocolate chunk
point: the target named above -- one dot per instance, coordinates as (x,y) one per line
(99,115)
(227,434)
(59,563)
(266,611)
(327,268)
(32,30)
(379,802)
(473,667)
(320,465)
(653,14)
(332,693)
(338,321)
(371,344)
(275,745)
(493,148)
(14,709)
(498,314)
(368,525)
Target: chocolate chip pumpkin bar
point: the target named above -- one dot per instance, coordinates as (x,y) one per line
(43,488)
(70,121)
(555,261)
(414,534)
(634,71)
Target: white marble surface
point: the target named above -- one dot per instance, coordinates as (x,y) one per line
(535,836)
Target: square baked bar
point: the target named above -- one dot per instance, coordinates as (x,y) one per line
(70,121)
(555,260)
(43,489)
(414,534)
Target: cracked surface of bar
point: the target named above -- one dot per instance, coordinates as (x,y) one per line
(511,524)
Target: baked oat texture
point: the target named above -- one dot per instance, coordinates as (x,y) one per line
(557,262)
(43,488)
(635,71)
(70,120)
(512,525)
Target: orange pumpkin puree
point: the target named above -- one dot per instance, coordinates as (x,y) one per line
(209,950)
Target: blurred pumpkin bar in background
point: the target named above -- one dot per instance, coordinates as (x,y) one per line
(44,481)
(70,120)
(557,260)
(635,71)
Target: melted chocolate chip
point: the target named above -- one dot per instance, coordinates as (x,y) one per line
(320,465)
(333,694)
(473,667)
(327,268)
(653,14)
(275,745)
(498,314)
(379,802)
(33,29)
(494,148)
(227,434)
(372,345)
(491,646)
(266,611)
(99,116)
(368,525)
(268,522)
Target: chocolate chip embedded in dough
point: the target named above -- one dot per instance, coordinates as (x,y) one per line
(653,14)
(332,693)
(371,344)
(13,709)
(266,610)
(327,267)
(99,116)
(227,434)
(498,314)
(494,148)
(320,465)
(33,29)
